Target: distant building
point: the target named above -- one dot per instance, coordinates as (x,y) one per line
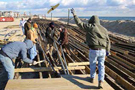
(16,14)
(8,13)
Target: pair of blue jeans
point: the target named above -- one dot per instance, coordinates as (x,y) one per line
(33,52)
(23,30)
(94,56)
(8,65)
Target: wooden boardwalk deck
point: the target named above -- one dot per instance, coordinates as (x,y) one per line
(66,82)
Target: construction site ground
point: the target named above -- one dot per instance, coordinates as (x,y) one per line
(66,82)
(119,66)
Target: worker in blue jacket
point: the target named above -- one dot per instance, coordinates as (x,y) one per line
(12,51)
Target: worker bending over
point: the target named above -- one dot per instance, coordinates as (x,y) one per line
(63,39)
(12,51)
(99,43)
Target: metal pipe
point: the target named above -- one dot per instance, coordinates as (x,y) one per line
(60,57)
(64,59)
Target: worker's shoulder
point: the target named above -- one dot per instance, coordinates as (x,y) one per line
(18,42)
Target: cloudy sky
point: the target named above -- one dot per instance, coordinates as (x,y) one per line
(82,7)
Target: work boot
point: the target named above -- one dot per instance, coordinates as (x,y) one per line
(92,80)
(100,85)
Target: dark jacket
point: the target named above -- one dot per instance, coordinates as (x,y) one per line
(18,49)
(27,27)
(50,33)
(63,37)
(96,34)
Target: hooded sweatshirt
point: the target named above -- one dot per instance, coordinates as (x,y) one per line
(96,34)
(18,49)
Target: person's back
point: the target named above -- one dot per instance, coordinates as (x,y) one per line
(12,51)
(96,35)
(32,33)
(17,48)
(99,43)
(63,37)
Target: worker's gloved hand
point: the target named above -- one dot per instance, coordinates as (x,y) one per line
(73,11)
(108,53)
(34,63)
(59,42)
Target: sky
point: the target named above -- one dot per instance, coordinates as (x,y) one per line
(82,7)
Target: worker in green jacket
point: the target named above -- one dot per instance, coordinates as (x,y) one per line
(99,43)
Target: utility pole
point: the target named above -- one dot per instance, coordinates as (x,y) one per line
(51,16)
(68,16)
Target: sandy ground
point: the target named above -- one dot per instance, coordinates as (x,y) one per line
(8,29)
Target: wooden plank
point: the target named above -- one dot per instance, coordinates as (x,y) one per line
(54,64)
(41,69)
(121,68)
(39,64)
(87,69)
(76,59)
(119,79)
(112,82)
(83,56)
(127,62)
(41,40)
(79,63)
(67,82)
(46,64)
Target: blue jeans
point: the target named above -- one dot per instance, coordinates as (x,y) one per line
(33,52)
(8,65)
(23,30)
(94,56)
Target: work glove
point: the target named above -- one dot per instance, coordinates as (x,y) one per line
(34,63)
(108,53)
(73,11)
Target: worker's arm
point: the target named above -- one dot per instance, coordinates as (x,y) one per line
(80,24)
(24,56)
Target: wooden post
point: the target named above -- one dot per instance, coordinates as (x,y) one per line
(39,64)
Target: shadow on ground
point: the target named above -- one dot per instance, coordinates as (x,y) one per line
(75,80)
